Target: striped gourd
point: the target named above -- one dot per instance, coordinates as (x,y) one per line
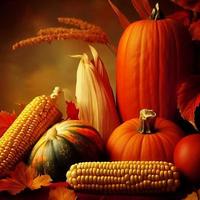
(65,143)
(31,123)
(124,177)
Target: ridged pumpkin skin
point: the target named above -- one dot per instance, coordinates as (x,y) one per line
(126,143)
(64,144)
(152,57)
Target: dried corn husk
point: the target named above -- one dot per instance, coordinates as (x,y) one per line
(94,95)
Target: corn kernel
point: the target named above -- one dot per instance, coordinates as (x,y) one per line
(128,179)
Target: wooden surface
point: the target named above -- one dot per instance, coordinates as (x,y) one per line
(43,194)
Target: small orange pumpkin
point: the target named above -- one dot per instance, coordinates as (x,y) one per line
(147,138)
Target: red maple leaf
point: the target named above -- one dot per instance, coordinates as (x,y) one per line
(183,16)
(72,110)
(189,100)
(6,119)
(195,30)
(193,5)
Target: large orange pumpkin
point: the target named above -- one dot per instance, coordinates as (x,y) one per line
(152,57)
(147,138)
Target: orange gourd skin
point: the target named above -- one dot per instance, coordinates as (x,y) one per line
(152,57)
(187,157)
(126,143)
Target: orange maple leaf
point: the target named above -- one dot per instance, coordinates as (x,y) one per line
(62,193)
(23,177)
(193,196)
(6,119)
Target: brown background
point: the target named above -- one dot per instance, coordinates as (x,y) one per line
(35,70)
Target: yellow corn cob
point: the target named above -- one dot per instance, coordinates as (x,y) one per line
(124,177)
(32,122)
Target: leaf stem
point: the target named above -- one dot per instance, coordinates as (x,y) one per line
(112,48)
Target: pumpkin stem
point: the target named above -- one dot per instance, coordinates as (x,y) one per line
(147,121)
(156,13)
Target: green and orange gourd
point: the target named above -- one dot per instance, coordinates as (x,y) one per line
(64,144)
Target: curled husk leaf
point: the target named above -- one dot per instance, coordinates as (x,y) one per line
(94,95)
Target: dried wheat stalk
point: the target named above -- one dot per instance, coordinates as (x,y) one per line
(83,25)
(54,30)
(61,30)
(83,31)
(91,38)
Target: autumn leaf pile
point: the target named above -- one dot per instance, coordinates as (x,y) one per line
(23,177)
